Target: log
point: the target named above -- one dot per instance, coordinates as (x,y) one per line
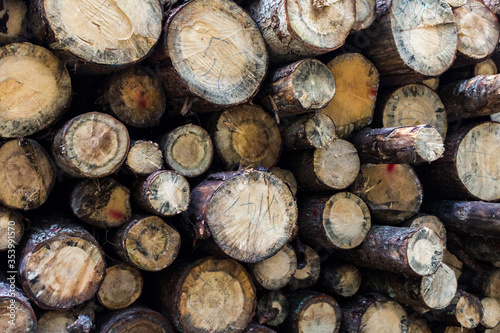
(287,177)
(135,319)
(253,203)
(13,22)
(247,135)
(91,145)
(417,324)
(312,131)
(399,145)
(432,82)
(450,260)
(335,166)
(358,77)
(308,273)
(365,14)
(272,309)
(103,203)
(491,312)
(15,309)
(495,117)
(144,158)
(485,67)
(428,221)
(484,282)
(35,89)
(419,250)
(163,193)
(392,191)
(11,228)
(56,321)
(208,295)
(493,5)
(414,105)
(294,30)
(483,248)
(256,328)
(61,265)
(188,150)
(148,243)
(135,97)
(341,279)
(121,287)
(275,272)
(340,221)
(465,310)
(28,174)
(300,87)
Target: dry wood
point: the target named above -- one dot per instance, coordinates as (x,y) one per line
(465,310)
(307,275)
(356,81)
(310,131)
(188,150)
(91,145)
(35,89)
(365,14)
(272,309)
(417,324)
(495,117)
(13,22)
(485,67)
(428,221)
(144,157)
(135,319)
(450,260)
(11,228)
(432,82)
(341,279)
(275,272)
(399,145)
(103,203)
(340,221)
(300,87)
(121,287)
(148,243)
(287,177)
(28,174)
(56,321)
(15,309)
(392,191)
(491,312)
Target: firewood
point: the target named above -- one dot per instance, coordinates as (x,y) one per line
(365,14)
(91,145)
(450,260)
(35,89)
(144,158)
(103,203)
(307,275)
(272,309)
(56,321)
(432,82)
(121,287)
(303,86)
(428,221)
(341,279)
(13,22)
(15,309)
(417,324)
(256,328)
(253,203)
(148,243)
(11,228)
(357,82)
(287,177)
(491,312)
(485,67)
(340,221)
(28,174)
(465,310)
(135,319)
(188,150)
(392,191)
(275,272)
(309,132)
(294,30)
(399,145)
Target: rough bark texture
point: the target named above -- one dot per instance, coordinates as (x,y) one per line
(308,273)
(272,309)
(309,132)
(465,310)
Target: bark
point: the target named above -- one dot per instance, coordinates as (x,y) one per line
(465,310)
(135,318)
(309,132)
(272,309)
(307,275)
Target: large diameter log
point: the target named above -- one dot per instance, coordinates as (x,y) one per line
(275,272)
(252,203)
(91,145)
(11,228)
(307,275)
(121,287)
(14,22)
(465,310)
(356,77)
(340,221)
(341,279)
(399,145)
(272,309)
(60,266)
(209,295)
(15,309)
(28,174)
(297,29)
(35,89)
(309,132)
(217,51)
(300,87)
(413,251)
(144,157)
(135,319)
(392,191)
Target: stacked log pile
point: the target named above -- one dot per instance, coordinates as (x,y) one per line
(249,166)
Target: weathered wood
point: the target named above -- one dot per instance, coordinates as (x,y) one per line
(56,321)
(417,324)
(485,67)
(287,177)
(14,24)
(144,157)
(309,132)
(275,272)
(465,310)
(121,287)
(341,279)
(135,319)
(307,275)
(365,14)
(491,312)
(450,260)
(428,221)
(11,228)
(484,282)
(256,328)
(272,309)
(15,309)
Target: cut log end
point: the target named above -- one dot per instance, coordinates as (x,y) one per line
(469,311)
(136,319)
(485,67)
(275,272)
(287,177)
(273,309)
(56,321)
(308,275)
(365,14)
(121,286)
(320,313)
(343,280)
(313,84)
(491,313)
(15,310)
(319,130)
(385,316)
(439,288)
(144,157)
(425,252)
(429,144)
(11,228)
(13,18)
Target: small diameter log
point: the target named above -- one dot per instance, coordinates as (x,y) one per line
(144,157)
(295,29)
(340,221)
(121,287)
(220,56)
(374,313)
(312,312)
(209,295)
(91,145)
(13,22)
(392,191)
(135,319)
(56,321)
(188,150)
(60,266)
(11,228)
(252,203)
(485,67)
(309,132)
(135,97)
(15,309)
(287,177)
(399,145)
(247,135)
(341,279)
(465,310)
(335,166)
(256,328)
(428,221)
(308,275)
(365,14)
(413,251)
(147,243)
(303,86)
(491,312)
(354,76)
(28,174)
(275,272)
(272,309)
(103,203)
(35,89)
(98,37)
(163,193)
(413,45)
(413,105)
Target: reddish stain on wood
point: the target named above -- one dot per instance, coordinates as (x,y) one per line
(116,214)
(391,167)
(372,92)
(142,101)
